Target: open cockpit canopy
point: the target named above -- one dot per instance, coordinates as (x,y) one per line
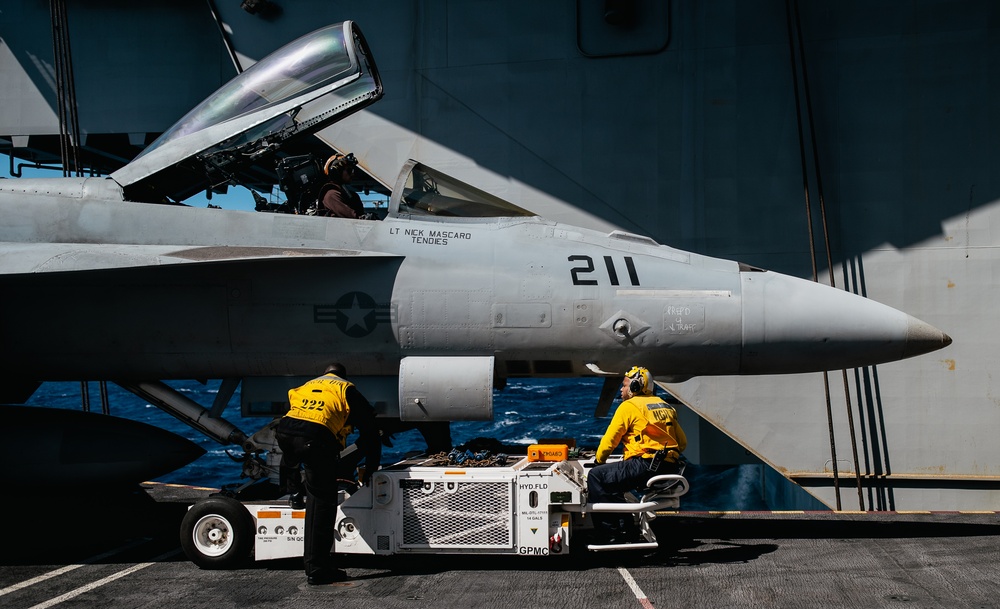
(235,134)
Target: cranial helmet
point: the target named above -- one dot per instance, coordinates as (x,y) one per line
(337,162)
(642,381)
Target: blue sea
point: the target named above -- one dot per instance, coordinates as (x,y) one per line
(524,411)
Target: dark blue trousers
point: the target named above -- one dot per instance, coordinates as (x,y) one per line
(609,482)
(319,456)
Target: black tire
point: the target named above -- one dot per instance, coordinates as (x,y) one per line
(217,533)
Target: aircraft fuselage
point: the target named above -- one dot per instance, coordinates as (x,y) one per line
(96,287)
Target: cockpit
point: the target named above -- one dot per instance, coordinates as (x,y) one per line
(422,191)
(258,130)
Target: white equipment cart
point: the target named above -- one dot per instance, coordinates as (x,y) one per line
(525,507)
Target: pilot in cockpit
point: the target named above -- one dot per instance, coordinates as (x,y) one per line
(336,198)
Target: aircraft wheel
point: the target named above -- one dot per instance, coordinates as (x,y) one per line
(217,533)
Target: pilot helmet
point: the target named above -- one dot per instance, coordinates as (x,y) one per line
(338,162)
(642,381)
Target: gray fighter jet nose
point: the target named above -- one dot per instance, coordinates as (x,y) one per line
(794,325)
(921,337)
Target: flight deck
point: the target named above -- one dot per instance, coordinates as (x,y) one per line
(124,552)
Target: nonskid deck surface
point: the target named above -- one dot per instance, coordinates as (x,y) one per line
(123,551)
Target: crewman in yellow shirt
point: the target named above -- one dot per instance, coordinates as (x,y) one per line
(322,413)
(648,427)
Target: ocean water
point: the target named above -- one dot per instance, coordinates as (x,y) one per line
(524,412)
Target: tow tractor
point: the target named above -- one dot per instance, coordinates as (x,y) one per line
(534,505)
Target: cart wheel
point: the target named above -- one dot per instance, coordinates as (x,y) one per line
(217,533)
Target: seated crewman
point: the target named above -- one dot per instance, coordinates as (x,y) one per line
(335,197)
(646,424)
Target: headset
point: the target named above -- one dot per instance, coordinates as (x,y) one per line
(638,382)
(338,162)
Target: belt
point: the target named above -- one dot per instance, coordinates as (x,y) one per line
(672,456)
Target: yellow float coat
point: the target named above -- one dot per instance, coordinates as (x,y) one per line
(645,424)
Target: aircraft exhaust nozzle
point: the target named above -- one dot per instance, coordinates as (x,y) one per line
(793,325)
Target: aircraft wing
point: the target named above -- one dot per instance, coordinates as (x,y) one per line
(64,257)
(153,312)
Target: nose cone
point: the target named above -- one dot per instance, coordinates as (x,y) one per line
(793,325)
(921,337)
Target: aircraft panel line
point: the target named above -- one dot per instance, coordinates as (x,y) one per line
(652,293)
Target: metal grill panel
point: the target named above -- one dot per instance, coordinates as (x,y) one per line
(458,515)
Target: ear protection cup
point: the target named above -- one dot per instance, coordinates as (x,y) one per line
(338,162)
(639,378)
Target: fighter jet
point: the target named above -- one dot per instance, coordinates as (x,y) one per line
(448,295)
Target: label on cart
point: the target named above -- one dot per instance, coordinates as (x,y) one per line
(280,532)
(548,452)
